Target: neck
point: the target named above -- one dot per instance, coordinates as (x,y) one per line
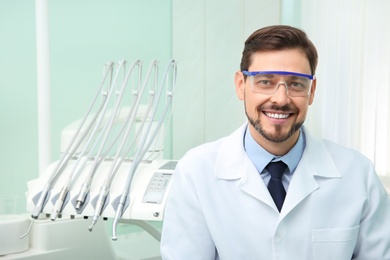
(275,148)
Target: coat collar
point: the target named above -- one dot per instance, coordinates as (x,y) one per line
(233,163)
(232,160)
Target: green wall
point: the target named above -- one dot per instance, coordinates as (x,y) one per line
(84,35)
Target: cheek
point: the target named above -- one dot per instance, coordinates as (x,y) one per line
(253,105)
(303,110)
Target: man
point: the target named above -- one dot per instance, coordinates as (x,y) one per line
(226,202)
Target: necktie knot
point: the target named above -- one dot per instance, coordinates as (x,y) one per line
(276,169)
(275,186)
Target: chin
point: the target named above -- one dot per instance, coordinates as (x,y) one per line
(275,137)
(278,135)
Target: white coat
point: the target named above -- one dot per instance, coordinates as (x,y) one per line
(219,207)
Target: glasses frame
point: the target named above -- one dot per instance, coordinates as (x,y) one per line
(254,73)
(278,72)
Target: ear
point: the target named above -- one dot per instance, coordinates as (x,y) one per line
(312,91)
(240,84)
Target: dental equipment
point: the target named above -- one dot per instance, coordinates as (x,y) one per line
(83,158)
(137,93)
(84,189)
(43,196)
(103,158)
(145,143)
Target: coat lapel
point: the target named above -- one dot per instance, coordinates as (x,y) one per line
(315,161)
(233,163)
(252,183)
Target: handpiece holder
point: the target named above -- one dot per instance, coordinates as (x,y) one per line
(146,200)
(116,149)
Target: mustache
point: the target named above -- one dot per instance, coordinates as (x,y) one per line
(285,108)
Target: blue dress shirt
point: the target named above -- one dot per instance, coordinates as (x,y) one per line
(260,157)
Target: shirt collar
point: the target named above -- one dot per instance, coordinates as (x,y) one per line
(260,157)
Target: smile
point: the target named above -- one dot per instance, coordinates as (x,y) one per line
(277,116)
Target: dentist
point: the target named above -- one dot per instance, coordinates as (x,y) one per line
(321,201)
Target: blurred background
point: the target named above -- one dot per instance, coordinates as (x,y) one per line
(206,37)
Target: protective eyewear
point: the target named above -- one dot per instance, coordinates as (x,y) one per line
(267,82)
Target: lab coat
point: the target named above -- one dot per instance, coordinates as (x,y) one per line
(219,207)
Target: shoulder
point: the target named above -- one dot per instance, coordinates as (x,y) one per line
(203,153)
(338,153)
(330,158)
(216,152)
(344,154)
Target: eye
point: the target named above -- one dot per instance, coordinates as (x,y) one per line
(264,82)
(297,85)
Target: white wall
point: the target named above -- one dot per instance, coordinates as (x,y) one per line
(353,78)
(207,40)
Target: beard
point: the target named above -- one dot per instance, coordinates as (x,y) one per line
(277,136)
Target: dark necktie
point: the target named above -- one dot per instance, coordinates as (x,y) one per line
(275,186)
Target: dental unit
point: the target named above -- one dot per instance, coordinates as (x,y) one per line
(71,149)
(113,166)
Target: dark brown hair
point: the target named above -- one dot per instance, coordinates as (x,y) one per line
(279,37)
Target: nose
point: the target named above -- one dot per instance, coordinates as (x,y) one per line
(280,95)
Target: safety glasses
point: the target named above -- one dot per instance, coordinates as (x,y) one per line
(267,82)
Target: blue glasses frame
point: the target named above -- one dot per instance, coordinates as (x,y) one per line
(253,73)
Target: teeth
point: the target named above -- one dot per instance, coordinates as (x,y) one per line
(277,116)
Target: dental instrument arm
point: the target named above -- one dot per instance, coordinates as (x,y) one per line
(119,154)
(172,67)
(97,119)
(81,161)
(61,164)
(85,187)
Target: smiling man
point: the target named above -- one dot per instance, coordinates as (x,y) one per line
(276,96)
(270,190)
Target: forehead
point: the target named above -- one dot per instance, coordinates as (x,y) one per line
(282,60)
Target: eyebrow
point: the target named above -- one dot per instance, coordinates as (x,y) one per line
(291,77)
(265,75)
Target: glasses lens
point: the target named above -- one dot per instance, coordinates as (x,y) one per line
(298,86)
